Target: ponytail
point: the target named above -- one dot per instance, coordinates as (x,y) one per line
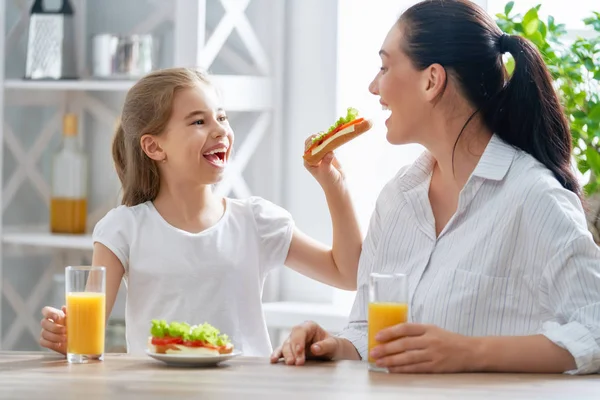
(138,174)
(118,152)
(528,113)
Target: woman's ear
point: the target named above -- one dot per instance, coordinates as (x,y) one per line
(152,149)
(434,81)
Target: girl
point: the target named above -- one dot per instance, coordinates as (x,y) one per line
(487,224)
(187,254)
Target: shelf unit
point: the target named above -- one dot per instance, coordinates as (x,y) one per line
(197,41)
(47,240)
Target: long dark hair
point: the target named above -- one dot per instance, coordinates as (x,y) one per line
(524,110)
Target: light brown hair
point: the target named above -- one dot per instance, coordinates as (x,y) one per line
(147,110)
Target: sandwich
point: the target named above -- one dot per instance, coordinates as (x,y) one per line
(181,338)
(345,129)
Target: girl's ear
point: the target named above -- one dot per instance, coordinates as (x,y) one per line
(152,149)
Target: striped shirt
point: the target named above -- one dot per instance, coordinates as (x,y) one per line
(516,258)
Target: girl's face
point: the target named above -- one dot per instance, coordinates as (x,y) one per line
(197,141)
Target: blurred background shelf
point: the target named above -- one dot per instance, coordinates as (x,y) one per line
(240,93)
(78,85)
(47,240)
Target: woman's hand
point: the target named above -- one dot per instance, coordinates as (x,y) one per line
(414,348)
(54,329)
(307,341)
(328,172)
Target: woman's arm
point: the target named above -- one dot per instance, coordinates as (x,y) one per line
(533,354)
(568,342)
(418,348)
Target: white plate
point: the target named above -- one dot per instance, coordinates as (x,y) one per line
(193,360)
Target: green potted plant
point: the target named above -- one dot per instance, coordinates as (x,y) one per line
(575,67)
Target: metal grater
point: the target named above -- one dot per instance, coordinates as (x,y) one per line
(50,43)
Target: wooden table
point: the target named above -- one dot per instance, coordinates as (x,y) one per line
(46,376)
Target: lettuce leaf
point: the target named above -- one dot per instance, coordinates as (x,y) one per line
(208,334)
(159,328)
(205,332)
(179,329)
(351,115)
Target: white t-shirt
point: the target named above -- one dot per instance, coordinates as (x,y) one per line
(214,276)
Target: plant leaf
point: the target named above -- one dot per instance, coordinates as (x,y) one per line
(531,22)
(543,29)
(597,75)
(583,166)
(537,39)
(580,98)
(510,65)
(591,188)
(589,64)
(508,7)
(594,114)
(593,158)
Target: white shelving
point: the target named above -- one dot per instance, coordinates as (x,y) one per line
(69,85)
(48,240)
(197,41)
(240,93)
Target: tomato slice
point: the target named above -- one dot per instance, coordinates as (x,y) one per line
(166,341)
(336,130)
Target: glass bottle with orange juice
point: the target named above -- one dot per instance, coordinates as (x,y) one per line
(85,291)
(388,306)
(68,202)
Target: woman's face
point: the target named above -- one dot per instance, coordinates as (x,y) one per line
(402,90)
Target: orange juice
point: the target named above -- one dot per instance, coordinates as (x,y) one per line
(384,315)
(85,323)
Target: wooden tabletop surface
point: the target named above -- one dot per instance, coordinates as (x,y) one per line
(46,376)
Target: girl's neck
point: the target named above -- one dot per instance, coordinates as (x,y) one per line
(191,208)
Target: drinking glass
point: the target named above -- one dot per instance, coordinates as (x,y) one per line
(85,291)
(388,306)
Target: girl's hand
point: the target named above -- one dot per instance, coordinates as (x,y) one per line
(54,329)
(328,172)
(307,341)
(418,348)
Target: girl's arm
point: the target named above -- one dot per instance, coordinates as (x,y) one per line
(103,257)
(336,265)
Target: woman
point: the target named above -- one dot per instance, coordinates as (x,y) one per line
(487,223)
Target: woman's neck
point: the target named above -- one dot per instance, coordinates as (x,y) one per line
(189,207)
(456,160)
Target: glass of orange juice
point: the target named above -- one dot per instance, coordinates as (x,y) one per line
(86,308)
(388,306)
